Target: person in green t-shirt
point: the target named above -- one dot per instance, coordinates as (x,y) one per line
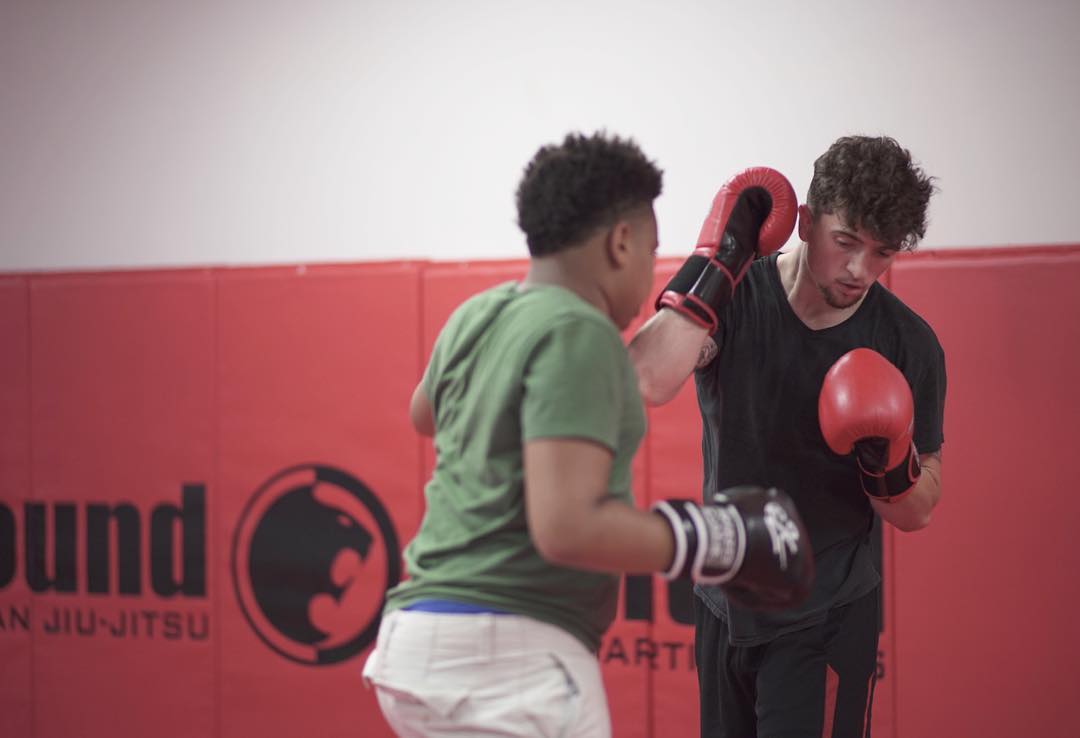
(535,412)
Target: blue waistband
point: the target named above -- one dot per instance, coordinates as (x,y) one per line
(450,606)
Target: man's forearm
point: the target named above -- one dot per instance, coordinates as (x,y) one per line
(664,352)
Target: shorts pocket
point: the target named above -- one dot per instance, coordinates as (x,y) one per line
(553,699)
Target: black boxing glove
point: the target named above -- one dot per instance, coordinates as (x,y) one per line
(750,541)
(778,570)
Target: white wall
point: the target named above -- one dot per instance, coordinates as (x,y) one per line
(245,131)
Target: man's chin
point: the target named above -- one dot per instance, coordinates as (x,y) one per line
(840,300)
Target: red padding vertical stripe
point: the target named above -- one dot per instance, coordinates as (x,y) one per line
(865,730)
(832,683)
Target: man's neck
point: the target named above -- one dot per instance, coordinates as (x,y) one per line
(567,270)
(805,296)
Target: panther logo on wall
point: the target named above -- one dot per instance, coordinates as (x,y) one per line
(313,555)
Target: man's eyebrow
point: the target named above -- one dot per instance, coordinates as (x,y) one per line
(842,231)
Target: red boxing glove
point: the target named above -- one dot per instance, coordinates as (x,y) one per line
(752,215)
(866,406)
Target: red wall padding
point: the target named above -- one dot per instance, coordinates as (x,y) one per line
(214,471)
(16,644)
(314,367)
(986,596)
(122,411)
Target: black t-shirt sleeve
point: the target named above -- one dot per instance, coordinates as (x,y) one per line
(928,390)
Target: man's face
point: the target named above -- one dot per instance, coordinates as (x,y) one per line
(844,260)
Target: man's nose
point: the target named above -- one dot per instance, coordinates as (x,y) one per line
(857,264)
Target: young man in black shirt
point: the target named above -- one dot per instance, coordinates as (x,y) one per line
(814,378)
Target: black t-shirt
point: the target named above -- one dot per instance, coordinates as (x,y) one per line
(759,400)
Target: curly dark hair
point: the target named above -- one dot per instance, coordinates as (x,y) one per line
(581,184)
(873,183)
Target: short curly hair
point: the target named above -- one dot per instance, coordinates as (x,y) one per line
(873,184)
(583,183)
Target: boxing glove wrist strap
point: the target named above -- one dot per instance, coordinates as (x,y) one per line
(710,541)
(895,483)
(700,290)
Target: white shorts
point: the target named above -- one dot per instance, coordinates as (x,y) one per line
(485,674)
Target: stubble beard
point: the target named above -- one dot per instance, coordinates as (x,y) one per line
(834,300)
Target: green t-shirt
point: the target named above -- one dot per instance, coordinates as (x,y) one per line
(512,365)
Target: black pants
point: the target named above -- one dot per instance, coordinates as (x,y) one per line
(795,686)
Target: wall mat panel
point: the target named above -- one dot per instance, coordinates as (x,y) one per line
(16,603)
(985,595)
(123,478)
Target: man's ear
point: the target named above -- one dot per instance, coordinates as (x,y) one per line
(806,222)
(617,243)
